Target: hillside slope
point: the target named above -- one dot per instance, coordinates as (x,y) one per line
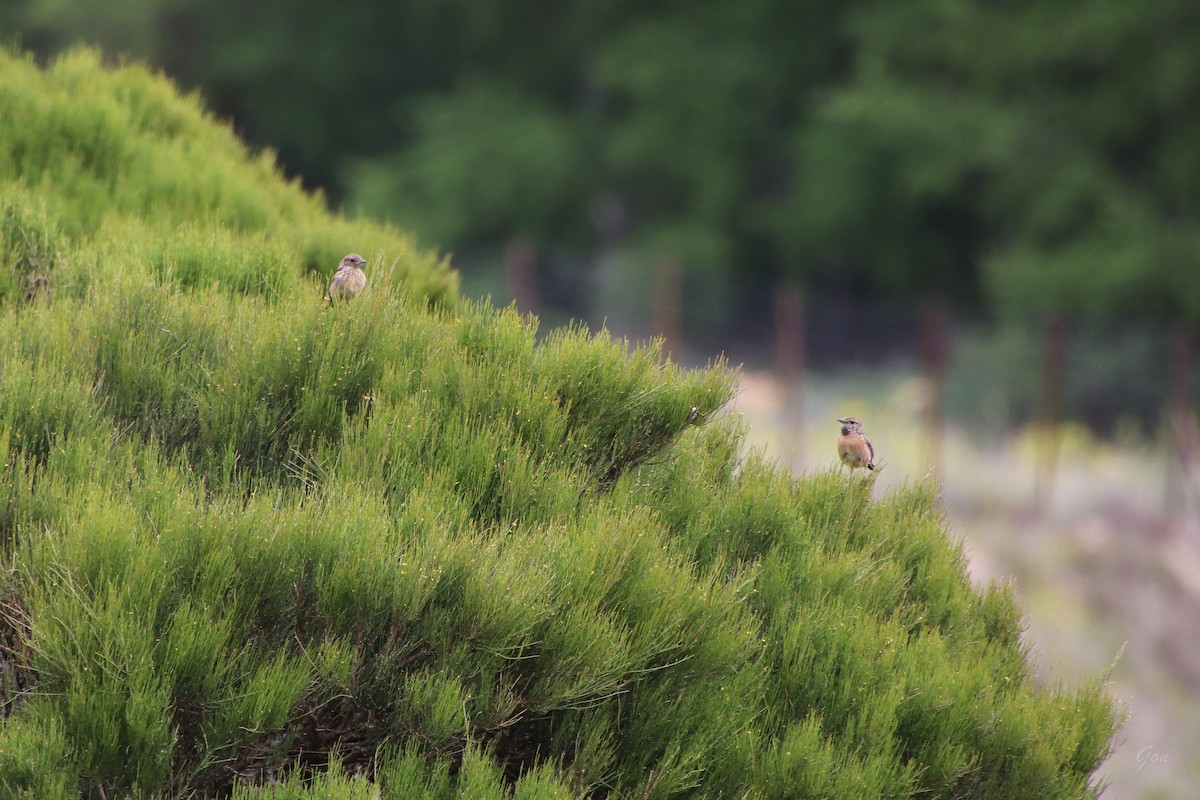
(403,548)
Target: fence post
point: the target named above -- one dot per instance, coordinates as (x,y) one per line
(934,347)
(789,363)
(1182,418)
(1054,366)
(666,316)
(520,273)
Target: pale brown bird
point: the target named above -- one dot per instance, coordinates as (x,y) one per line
(349,280)
(854,448)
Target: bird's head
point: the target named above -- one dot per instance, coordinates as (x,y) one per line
(351,261)
(850,425)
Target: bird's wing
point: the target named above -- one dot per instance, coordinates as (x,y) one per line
(869,447)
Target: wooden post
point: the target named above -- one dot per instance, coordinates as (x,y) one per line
(934,347)
(1054,365)
(520,273)
(1181,414)
(667,311)
(789,364)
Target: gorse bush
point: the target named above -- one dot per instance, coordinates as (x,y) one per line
(257,547)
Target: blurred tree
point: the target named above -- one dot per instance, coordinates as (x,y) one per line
(1048,146)
(686,117)
(484,163)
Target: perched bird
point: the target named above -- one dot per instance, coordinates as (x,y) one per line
(349,280)
(854,448)
(37,286)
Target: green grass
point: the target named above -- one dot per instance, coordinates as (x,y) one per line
(255,547)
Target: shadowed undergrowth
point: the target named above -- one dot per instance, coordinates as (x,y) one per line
(405,548)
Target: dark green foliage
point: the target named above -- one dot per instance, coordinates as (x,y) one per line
(476,149)
(256,547)
(1041,149)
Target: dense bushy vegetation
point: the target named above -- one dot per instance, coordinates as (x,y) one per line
(259,547)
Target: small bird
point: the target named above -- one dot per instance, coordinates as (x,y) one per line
(37,286)
(349,280)
(854,448)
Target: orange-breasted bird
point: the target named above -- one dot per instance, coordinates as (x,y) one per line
(349,280)
(854,448)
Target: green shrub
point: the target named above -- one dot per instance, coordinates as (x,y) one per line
(257,547)
(34,758)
